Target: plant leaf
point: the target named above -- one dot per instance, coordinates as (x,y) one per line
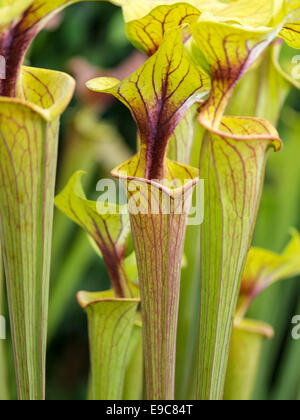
(230,51)
(11,9)
(291,31)
(41,11)
(28,150)
(181,143)
(134,377)
(257,14)
(147,34)
(17,37)
(229,42)
(246,347)
(111,321)
(107,224)
(158,102)
(279,209)
(265,85)
(291,34)
(285,64)
(154,221)
(253,14)
(232,165)
(158,95)
(264,268)
(135,10)
(158,220)
(131,268)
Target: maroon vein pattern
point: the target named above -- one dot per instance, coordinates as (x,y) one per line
(148,33)
(291,34)
(159,241)
(28,148)
(15,40)
(230,52)
(159,95)
(233,169)
(111,242)
(110,327)
(28,156)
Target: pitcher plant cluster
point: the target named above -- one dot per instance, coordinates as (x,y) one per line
(201,57)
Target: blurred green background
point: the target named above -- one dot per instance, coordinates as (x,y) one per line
(95,135)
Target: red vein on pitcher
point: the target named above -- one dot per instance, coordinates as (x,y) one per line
(147,33)
(17,33)
(29,138)
(233,166)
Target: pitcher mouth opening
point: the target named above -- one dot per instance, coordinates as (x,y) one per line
(46,102)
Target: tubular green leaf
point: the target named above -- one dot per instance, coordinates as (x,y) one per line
(110,321)
(280,209)
(232,164)
(158,220)
(28,150)
(246,347)
(159,94)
